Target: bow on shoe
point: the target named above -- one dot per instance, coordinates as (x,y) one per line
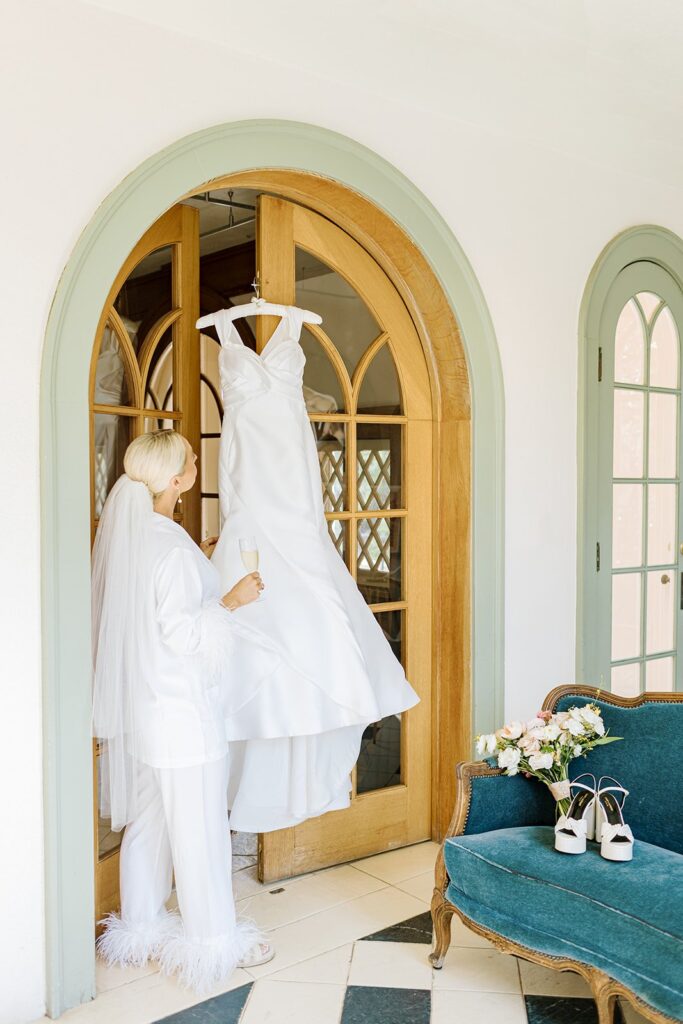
(610,832)
(578,826)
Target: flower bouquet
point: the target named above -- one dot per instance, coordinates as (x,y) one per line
(544,746)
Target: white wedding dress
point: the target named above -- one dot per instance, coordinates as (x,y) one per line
(296,736)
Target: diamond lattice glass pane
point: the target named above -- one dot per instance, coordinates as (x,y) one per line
(378,466)
(661,524)
(159,386)
(662,437)
(628,433)
(648,303)
(322,389)
(664,351)
(209,464)
(626,615)
(378,559)
(347,321)
(111,381)
(626,679)
(147,293)
(659,633)
(330,440)
(112,436)
(627,525)
(659,675)
(338,530)
(380,391)
(629,346)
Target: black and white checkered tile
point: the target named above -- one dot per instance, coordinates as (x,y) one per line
(416,994)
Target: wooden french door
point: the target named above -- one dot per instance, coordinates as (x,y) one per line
(144,375)
(367,389)
(368,392)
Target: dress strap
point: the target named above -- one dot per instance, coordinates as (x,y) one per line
(295,317)
(226,331)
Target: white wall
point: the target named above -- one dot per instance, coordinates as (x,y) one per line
(538,131)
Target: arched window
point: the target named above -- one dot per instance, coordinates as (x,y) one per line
(631,597)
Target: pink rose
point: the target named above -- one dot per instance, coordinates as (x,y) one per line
(545,715)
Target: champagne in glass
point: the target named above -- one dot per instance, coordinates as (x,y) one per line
(249,554)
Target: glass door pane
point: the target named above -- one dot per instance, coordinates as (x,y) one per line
(645,499)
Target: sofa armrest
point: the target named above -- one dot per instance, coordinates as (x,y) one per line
(486,799)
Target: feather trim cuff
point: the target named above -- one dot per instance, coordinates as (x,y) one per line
(131,945)
(200,964)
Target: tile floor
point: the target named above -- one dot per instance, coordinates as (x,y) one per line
(352,944)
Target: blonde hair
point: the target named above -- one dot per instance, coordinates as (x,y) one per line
(155,457)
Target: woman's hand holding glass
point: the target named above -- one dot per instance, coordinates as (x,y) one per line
(244,592)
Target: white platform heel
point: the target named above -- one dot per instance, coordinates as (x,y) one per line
(573,829)
(611,831)
(259,954)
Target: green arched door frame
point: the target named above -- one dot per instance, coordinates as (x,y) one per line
(139,200)
(642,244)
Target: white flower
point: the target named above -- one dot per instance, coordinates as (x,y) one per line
(537,761)
(535,723)
(512,731)
(592,719)
(551,731)
(487,744)
(577,750)
(575,727)
(509,758)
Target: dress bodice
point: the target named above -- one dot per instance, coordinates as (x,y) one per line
(279,368)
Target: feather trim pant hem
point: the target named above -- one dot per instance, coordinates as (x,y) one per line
(200,964)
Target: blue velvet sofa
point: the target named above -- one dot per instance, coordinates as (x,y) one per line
(618,925)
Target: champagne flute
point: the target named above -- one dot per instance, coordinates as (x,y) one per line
(249,555)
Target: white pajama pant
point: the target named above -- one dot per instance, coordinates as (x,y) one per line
(181,828)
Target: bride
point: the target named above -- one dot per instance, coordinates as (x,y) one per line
(163,634)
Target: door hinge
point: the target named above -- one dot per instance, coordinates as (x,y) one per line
(599,363)
(597,557)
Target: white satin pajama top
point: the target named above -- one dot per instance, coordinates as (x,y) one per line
(204,662)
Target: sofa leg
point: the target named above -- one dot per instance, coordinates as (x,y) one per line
(605,1003)
(442,912)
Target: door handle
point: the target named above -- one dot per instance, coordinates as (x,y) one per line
(666,579)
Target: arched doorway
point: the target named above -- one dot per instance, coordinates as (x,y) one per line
(383,213)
